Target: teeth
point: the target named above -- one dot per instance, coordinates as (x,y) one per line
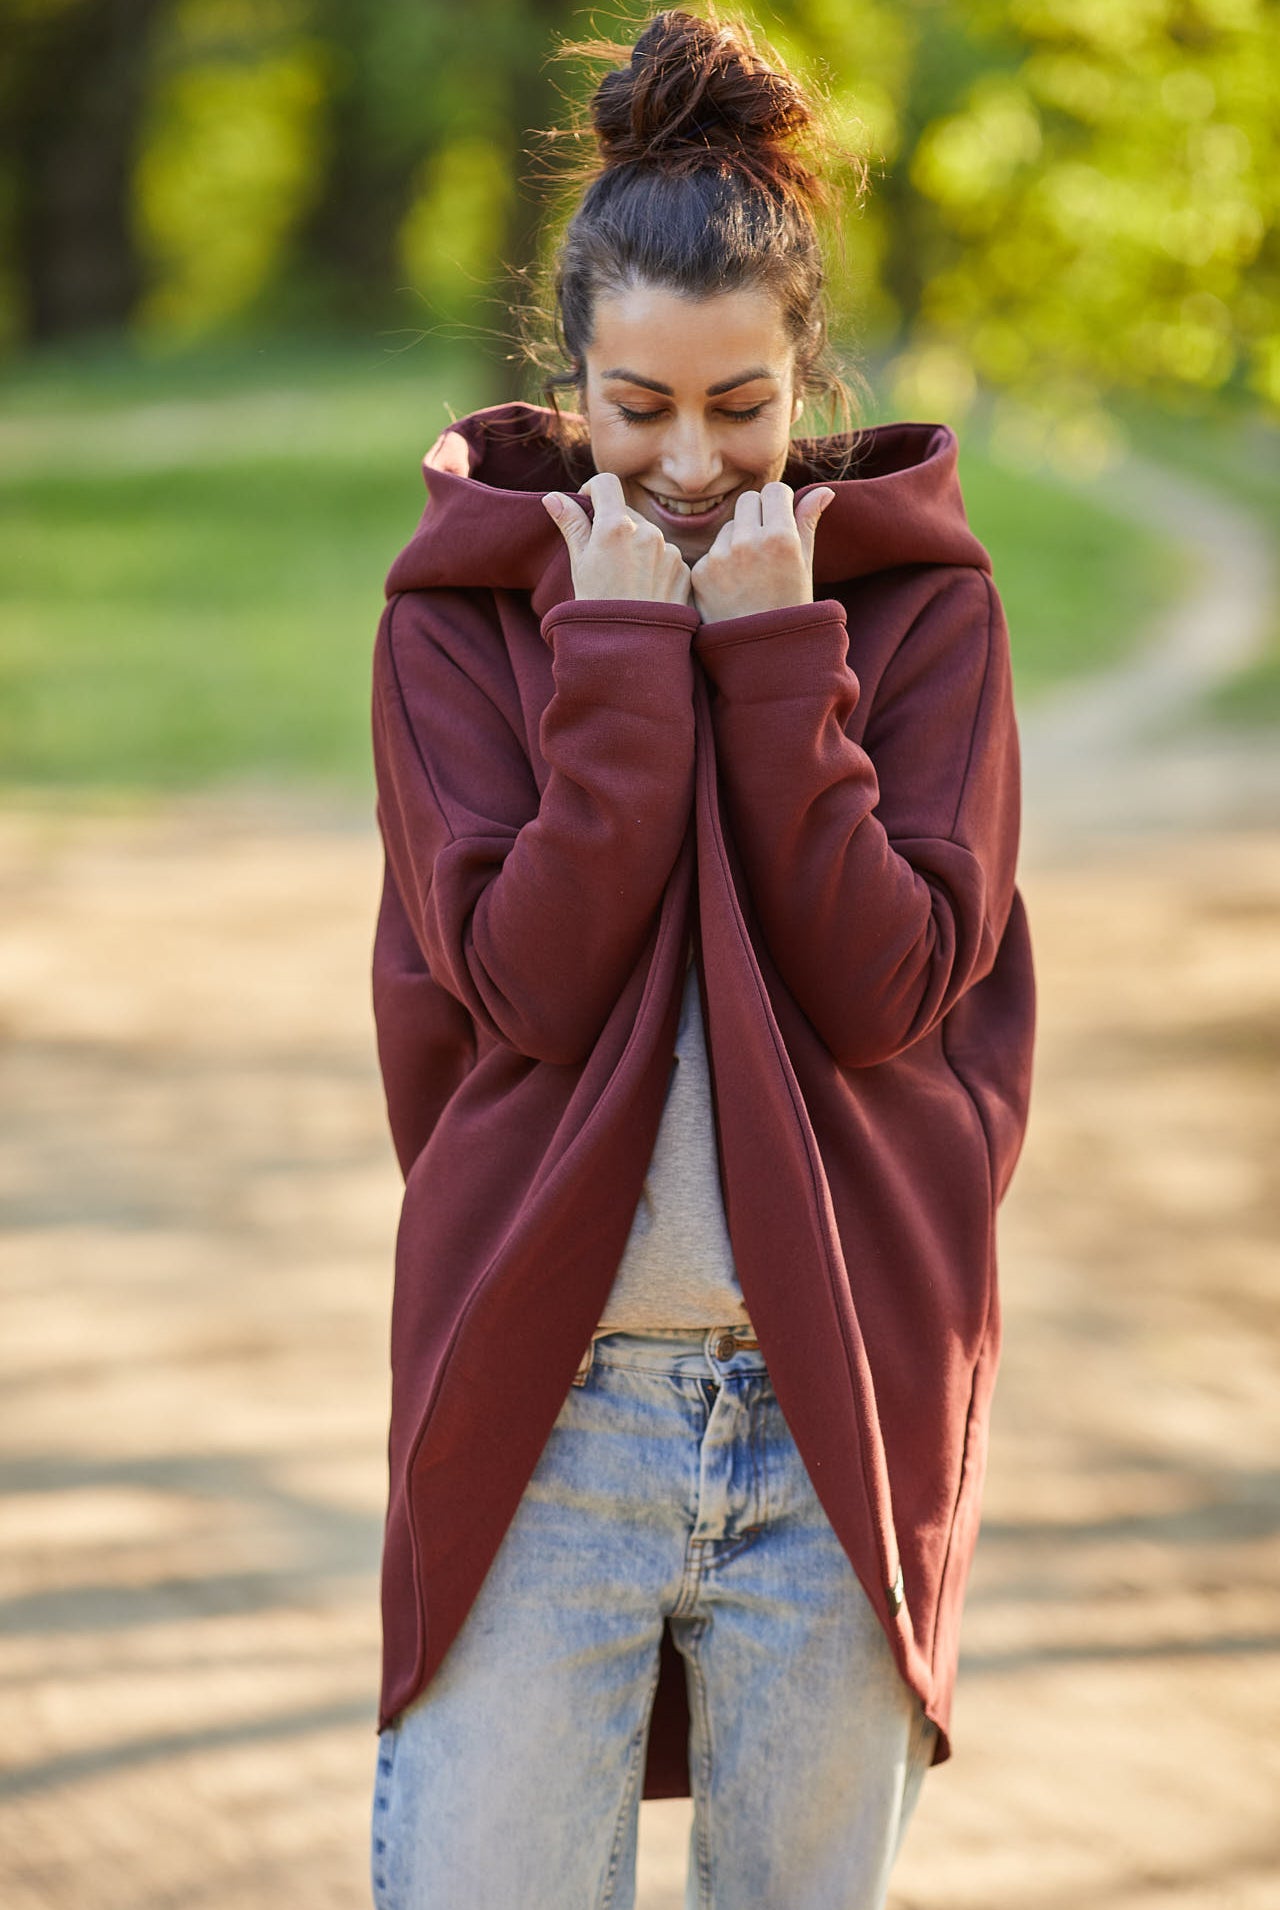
(683,509)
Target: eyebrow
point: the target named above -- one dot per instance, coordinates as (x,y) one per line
(713,391)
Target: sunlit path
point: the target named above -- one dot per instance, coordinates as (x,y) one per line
(200,1203)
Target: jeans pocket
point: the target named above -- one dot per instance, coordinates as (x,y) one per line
(380,1831)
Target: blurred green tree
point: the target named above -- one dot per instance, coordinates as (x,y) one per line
(1070,198)
(427,126)
(74,76)
(1104,202)
(229,153)
(384,106)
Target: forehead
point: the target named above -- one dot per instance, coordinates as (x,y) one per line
(688,341)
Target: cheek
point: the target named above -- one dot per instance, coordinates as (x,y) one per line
(613,449)
(768,456)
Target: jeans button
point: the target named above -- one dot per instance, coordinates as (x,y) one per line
(726,1347)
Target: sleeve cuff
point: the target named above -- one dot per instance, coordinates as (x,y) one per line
(826,613)
(801,651)
(623,654)
(620,610)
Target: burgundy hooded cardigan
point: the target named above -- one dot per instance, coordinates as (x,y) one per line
(827,798)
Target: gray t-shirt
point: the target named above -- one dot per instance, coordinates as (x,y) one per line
(677,1268)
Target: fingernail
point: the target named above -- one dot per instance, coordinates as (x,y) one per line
(553,501)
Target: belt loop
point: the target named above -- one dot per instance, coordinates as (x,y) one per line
(584,1364)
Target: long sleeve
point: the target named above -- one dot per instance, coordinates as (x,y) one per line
(881,871)
(530,890)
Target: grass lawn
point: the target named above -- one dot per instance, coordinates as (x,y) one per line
(1080,586)
(192,554)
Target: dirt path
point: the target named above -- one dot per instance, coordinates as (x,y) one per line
(200,1204)
(1121,752)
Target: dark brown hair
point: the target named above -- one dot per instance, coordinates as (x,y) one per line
(705,180)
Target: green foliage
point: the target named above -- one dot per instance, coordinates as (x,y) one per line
(861,56)
(1109,203)
(447,239)
(1070,199)
(225,170)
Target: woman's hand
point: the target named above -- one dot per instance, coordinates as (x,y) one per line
(762,559)
(618,553)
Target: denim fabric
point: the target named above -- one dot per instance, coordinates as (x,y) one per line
(669,1486)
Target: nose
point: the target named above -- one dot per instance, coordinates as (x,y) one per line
(691,461)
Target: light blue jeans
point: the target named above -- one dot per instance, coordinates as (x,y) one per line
(670,1486)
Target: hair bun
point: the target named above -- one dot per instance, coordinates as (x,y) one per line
(695,91)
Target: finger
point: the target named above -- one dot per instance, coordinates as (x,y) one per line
(721,544)
(747,510)
(570,519)
(604,488)
(777,506)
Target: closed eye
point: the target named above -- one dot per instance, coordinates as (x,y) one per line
(646,417)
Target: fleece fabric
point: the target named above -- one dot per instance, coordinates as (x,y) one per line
(827,798)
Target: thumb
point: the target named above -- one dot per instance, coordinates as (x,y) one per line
(810,509)
(570,520)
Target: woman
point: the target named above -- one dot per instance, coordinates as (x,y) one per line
(704,1007)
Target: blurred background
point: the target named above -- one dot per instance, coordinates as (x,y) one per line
(253,257)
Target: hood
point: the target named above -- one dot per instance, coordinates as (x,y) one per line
(900,505)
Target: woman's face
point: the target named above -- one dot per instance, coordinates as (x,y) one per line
(690,401)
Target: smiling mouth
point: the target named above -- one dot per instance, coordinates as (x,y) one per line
(689,507)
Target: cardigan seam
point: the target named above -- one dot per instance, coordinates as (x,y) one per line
(977,711)
(392,607)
